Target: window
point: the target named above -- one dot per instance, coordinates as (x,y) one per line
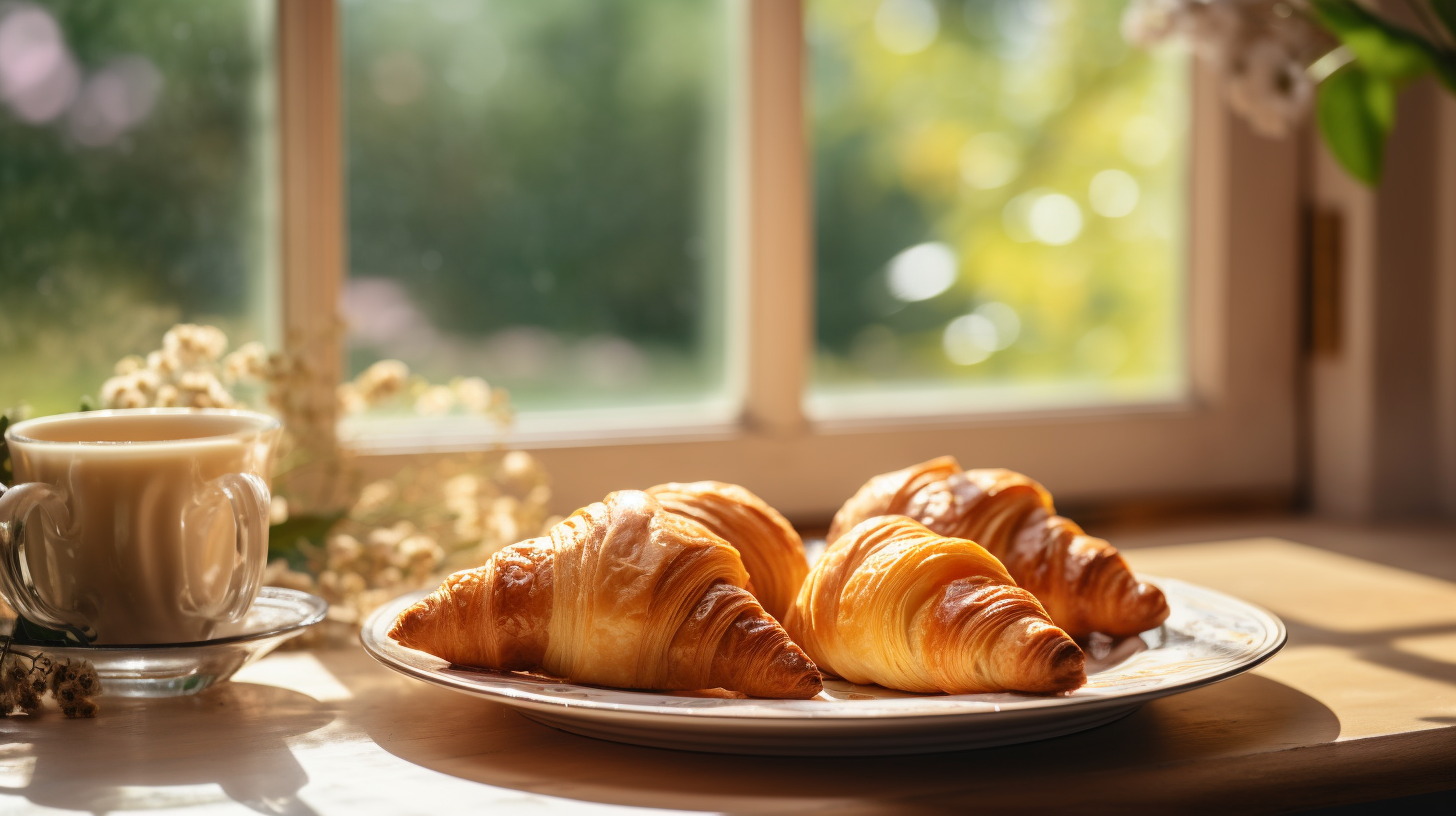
(106,237)
(536,195)
(1050,253)
(999,203)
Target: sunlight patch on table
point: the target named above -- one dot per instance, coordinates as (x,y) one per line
(1438,648)
(361,778)
(296,671)
(1334,592)
(17,765)
(1368,698)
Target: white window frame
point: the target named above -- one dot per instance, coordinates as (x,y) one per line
(1234,434)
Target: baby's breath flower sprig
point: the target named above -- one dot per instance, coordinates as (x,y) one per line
(389,383)
(193,368)
(408,531)
(27,677)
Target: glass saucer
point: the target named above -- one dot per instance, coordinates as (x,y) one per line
(179,669)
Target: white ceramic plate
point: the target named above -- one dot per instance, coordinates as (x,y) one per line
(1208,637)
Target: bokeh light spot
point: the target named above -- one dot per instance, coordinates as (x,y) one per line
(1004,320)
(38,76)
(921,272)
(990,160)
(1113,193)
(115,99)
(969,339)
(1054,219)
(1145,141)
(906,26)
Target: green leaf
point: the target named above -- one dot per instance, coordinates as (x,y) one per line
(1355,112)
(29,632)
(1385,50)
(283,538)
(32,632)
(1380,99)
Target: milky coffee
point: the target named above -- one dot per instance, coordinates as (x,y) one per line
(138,526)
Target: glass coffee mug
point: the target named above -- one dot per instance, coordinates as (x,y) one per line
(137,526)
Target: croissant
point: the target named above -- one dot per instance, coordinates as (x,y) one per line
(1082,581)
(772,552)
(622,593)
(893,603)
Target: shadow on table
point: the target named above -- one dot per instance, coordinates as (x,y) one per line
(131,755)
(488,743)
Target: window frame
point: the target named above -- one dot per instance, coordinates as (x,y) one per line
(1234,433)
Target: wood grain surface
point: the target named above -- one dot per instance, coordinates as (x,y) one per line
(1359,706)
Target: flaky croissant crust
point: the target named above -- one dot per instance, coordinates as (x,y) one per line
(1083,581)
(893,603)
(771,549)
(622,593)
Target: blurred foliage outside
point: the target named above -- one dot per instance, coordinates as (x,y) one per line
(1034,163)
(536,195)
(132,183)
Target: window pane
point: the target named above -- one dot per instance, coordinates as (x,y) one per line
(132,184)
(1000,203)
(535,195)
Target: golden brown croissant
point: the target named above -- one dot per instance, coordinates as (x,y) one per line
(622,593)
(1082,581)
(772,551)
(893,603)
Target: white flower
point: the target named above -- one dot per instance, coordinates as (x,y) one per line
(200,389)
(1270,88)
(350,401)
(350,584)
(381,381)
(1209,27)
(279,574)
(519,472)
(191,344)
(503,521)
(383,540)
(163,363)
(418,554)
(389,577)
(464,487)
(435,401)
(249,363)
(146,381)
(130,364)
(344,549)
(122,392)
(374,497)
(472,393)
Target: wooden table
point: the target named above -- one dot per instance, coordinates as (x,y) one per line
(1359,706)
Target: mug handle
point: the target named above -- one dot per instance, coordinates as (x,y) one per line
(250,499)
(17,506)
